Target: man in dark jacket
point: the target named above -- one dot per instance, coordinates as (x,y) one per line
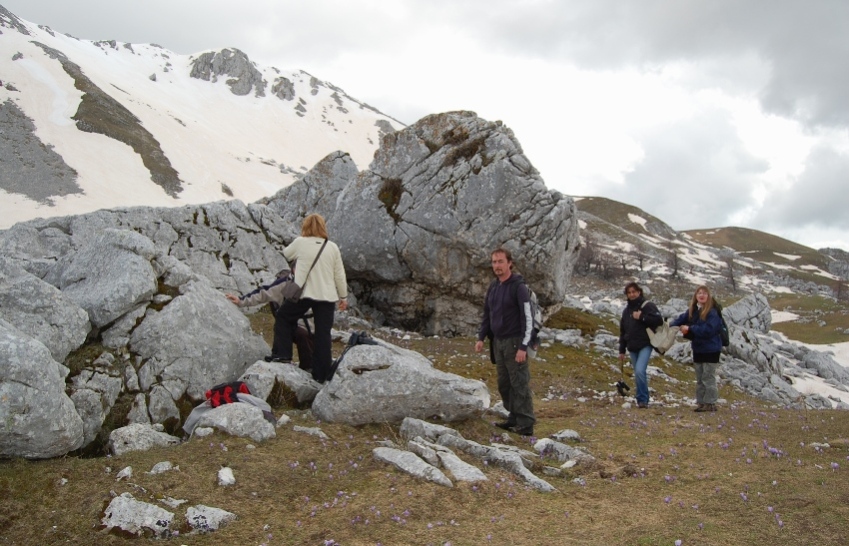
(636,317)
(507,322)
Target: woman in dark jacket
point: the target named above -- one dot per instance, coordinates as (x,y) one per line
(701,324)
(636,317)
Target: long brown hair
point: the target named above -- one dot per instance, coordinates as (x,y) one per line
(694,304)
(314,226)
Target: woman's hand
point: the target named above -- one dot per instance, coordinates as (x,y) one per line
(343,304)
(232,299)
(684,329)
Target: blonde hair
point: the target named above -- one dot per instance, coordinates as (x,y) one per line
(694,303)
(314,226)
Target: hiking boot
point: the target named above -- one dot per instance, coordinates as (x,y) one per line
(710,407)
(642,405)
(523,431)
(506,425)
(700,407)
(273,358)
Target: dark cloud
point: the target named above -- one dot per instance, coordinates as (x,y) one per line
(694,174)
(817,199)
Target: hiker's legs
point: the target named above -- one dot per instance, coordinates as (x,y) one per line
(284,327)
(514,383)
(640,362)
(305,348)
(699,368)
(324,312)
(710,392)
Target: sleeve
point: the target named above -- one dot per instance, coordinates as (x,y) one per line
(339,276)
(681,319)
(289,252)
(484,330)
(708,328)
(623,342)
(652,317)
(525,316)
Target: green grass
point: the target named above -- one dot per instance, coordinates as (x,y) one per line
(821,320)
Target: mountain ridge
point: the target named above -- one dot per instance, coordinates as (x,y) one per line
(85,107)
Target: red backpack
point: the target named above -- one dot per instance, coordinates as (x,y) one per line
(225,393)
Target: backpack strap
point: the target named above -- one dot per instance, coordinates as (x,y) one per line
(317,256)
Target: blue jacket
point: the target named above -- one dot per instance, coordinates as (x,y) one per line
(705,333)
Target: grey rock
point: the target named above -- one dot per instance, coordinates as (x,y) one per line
(561,452)
(244,420)
(161,406)
(752,312)
(262,378)
(40,420)
(385,383)
(136,517)
(412,428)
(421,448)
(41,310)
(244,75)
(312,431)
(109,276)
(138,437)
(460,469)
(198,340)
(204,519)
(138,412)
(566,435)
(411,464)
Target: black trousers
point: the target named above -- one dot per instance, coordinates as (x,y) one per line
(287,321)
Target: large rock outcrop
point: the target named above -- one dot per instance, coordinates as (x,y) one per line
(417,228)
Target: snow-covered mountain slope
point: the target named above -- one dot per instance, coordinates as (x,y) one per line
(88,125)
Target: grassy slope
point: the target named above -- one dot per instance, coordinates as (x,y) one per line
(661,474)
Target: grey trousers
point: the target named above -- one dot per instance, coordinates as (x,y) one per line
(706,389)
(514,382)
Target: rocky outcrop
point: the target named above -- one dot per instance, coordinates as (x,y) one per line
(438,197)
(751,312)
(244,75)
(144,285)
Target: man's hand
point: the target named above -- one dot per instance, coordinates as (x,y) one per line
(232,299)
(479,346)
(521,356)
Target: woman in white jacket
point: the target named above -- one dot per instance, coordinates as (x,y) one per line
(324,284)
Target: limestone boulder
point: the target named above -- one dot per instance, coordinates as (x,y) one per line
(41,310)
(108,276)
(197,340)
(39,420)
(385,383)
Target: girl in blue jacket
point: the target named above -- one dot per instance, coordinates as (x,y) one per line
(701,324)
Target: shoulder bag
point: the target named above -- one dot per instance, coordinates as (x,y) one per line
(293,291)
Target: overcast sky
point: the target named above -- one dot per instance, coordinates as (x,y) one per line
(704,113)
